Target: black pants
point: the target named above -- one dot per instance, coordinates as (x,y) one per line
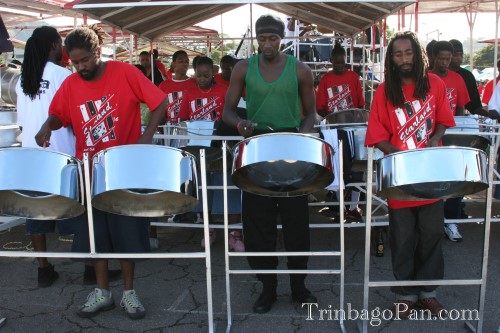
(416,234)
(260,216)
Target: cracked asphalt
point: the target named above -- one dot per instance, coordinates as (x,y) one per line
(173,291)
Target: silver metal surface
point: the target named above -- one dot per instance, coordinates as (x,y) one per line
(198,129)
(455,136)
(356,122)
(144,180)
(8,117)
(432,173)
(9,135)
(9,78)
(40,184)
(348,116)
(282,164)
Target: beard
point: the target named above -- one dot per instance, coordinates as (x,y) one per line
(405,71)
(88,75)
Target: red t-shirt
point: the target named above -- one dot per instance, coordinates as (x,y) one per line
(203,104)
(176,90)
(339,92)
(161,68)
(411,126)
(488,91)
(456,91)
(105,113)
(219,80)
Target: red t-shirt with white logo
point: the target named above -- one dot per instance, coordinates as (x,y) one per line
(201,104)
(220,80)
(105,113)
(339,92)
(456,91)
(176,90)
(411,126)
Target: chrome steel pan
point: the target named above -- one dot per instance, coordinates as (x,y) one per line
(198,129)
(432,173)
(464,124)
(144,180)
(349,116)
(282,164)
(40,184)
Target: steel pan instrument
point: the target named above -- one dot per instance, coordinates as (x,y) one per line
(354,122)
(467,124)
(282,164)
(144,180)
(40,184)
(432,173)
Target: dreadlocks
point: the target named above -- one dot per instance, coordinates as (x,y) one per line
(393,85)
(36,55)
(85,38)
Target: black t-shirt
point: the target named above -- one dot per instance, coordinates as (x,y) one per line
(470,83)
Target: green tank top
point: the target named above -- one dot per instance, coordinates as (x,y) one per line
(273,104)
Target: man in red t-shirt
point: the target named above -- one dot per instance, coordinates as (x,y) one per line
(102,104)
(226,66)
(455,85)
(178,86)
(490,86)
(408,93)
(458,97)
(340,90)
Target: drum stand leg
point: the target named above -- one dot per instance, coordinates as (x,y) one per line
(207,243)
(226,237)
(90,216)
(486,243)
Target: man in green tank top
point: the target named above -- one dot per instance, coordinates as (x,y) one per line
(280,98)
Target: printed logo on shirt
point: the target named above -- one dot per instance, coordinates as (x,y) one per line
(415,123)
(339,98)
(174,104)
(452,98)
(205,108)
(44,85)
(98,121)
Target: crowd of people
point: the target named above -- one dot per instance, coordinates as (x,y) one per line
(58,111)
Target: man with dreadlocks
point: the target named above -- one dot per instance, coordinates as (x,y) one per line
(102,103)
(40,78)
(411,110)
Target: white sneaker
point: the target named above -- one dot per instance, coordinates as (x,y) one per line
(96,302)
(132,305)
(451,231)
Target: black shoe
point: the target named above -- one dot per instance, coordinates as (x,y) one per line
(264,303)
(89,275)
(46,276)
(303,295)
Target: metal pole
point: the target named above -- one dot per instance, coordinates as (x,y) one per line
(208,263)
(342,245)
(368,228)
(88,199)
(226,236)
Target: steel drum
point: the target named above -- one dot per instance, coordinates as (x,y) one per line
(349,117)
(144,180)
(432,173)
(282,164)
(354,122)
(464,124)
(40,184)
(198,129)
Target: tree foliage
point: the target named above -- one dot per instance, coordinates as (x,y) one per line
(485,57)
